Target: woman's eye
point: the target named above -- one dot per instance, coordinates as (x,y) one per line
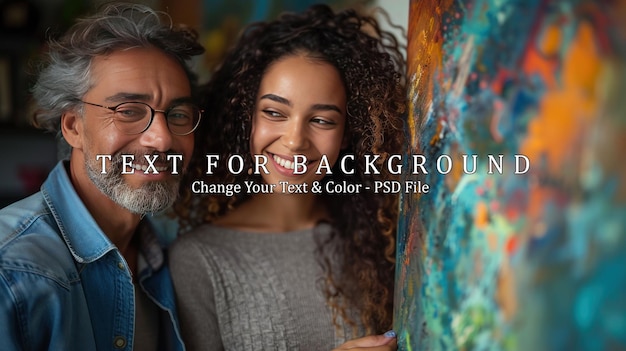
(272,113)
(322,121)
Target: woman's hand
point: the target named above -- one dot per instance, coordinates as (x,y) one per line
(385,342)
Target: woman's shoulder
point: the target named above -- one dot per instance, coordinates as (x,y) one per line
(244,218)
(218,236)
(207,242)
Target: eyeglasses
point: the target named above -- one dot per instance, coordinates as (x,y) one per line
(136,117)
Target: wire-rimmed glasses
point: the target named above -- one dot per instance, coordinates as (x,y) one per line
(136,117)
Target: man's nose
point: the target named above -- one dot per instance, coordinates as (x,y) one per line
(158,135)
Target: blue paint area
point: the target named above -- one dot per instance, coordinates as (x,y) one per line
(533,261)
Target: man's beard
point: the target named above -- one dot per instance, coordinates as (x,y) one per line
(150,197)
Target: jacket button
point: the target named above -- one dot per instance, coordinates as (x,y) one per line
(119,342)
(120,265)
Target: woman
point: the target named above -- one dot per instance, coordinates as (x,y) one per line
(287,262)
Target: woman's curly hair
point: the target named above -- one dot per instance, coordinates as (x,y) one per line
(371,66)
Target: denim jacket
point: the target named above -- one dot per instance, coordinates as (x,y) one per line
(65,286)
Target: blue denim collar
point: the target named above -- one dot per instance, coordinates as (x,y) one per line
(86,241)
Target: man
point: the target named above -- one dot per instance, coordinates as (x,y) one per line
(80,267)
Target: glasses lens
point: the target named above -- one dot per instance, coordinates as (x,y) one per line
(183,119)
(132,117)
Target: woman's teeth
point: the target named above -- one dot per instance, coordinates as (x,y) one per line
(284,163)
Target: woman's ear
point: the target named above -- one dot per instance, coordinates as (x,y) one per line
(72,129)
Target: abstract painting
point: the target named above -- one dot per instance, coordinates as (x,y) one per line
(519,111)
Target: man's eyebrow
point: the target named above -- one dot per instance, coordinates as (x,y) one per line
(181,100)
(279,99)
(124,97)
(127,97)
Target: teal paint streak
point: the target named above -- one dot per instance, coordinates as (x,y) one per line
(570,267)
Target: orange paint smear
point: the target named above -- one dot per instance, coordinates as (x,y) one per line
(568,107)
(511,245)
(481,218)
(541,60)
(425,55)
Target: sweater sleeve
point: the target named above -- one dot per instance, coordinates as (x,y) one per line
(190,267)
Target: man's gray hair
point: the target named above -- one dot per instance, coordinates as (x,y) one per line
(66,77)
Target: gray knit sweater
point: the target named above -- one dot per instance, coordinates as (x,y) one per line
(252,291)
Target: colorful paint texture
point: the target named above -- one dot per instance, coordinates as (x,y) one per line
(506,261)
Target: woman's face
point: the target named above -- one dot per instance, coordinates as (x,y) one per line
(300,110)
